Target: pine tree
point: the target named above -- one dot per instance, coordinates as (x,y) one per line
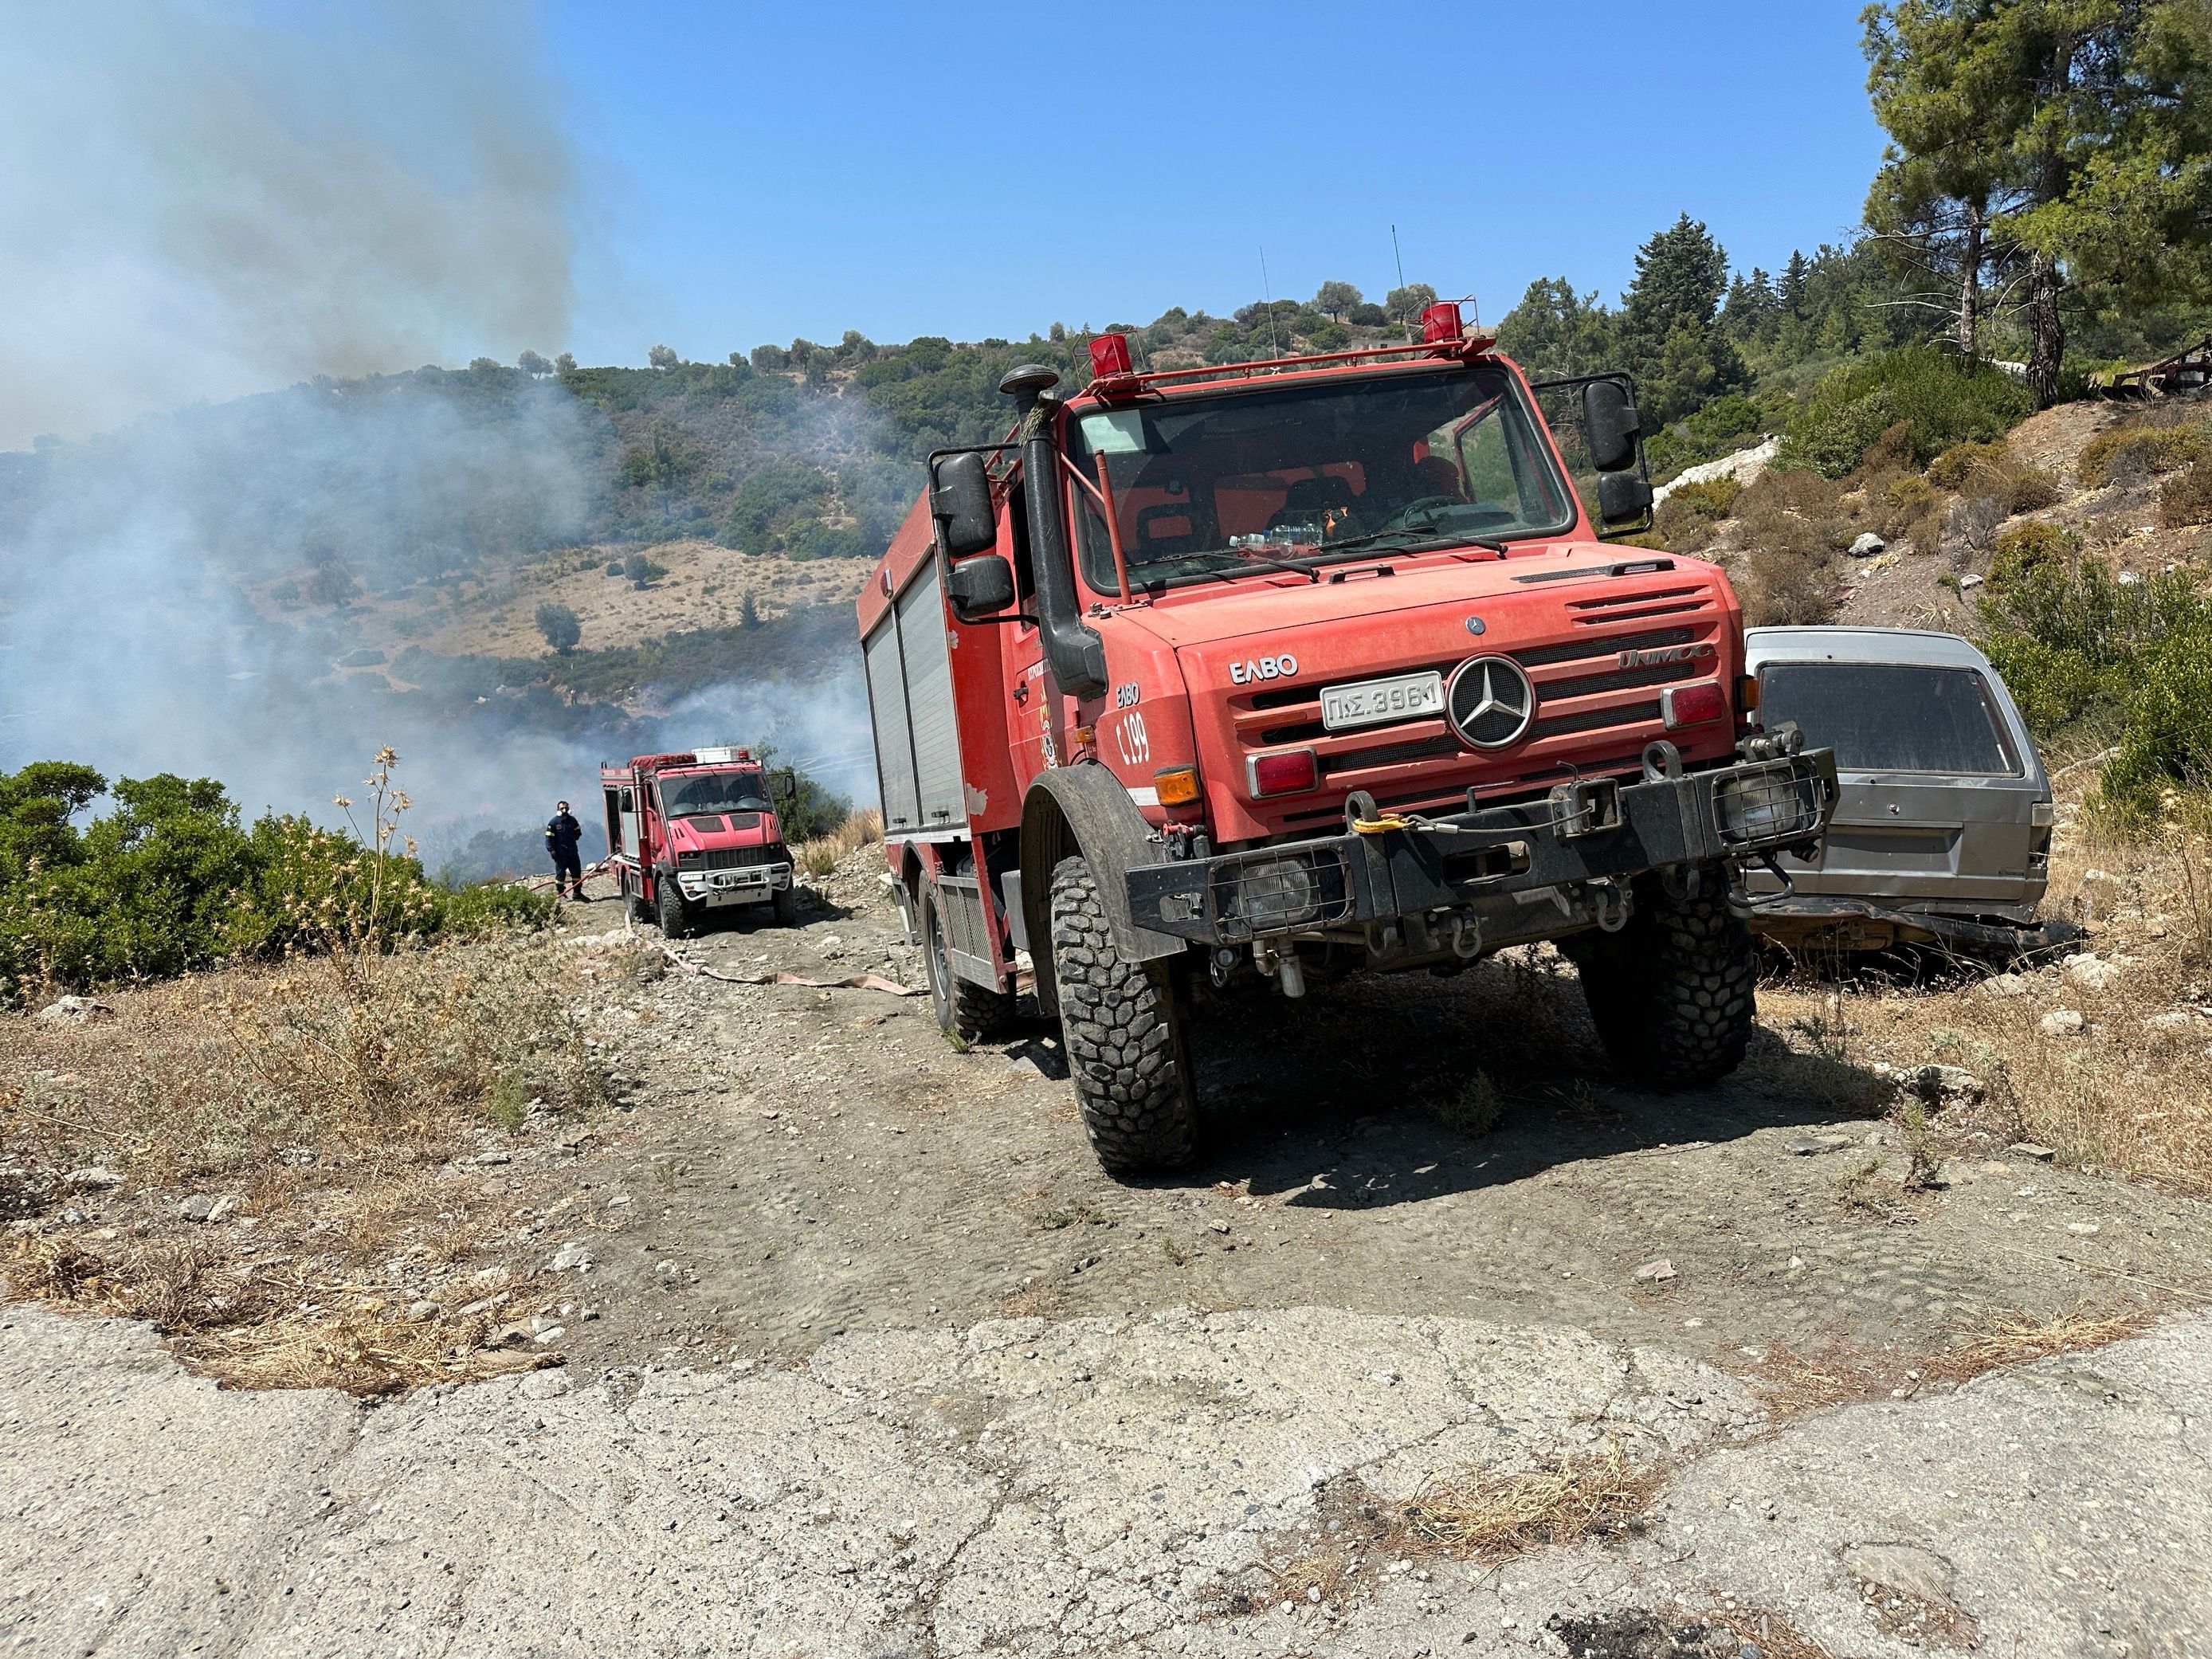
(1679,357)
(1793,285)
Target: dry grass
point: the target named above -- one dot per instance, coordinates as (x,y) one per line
(1491,1515)
(820,858)
(2131,1091)
(316,1103)
(1790,1381)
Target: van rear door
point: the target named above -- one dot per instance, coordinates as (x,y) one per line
(1937,798)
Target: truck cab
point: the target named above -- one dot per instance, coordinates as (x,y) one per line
(1206,683)
(695,834)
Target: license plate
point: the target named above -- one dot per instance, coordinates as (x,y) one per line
(1372,702)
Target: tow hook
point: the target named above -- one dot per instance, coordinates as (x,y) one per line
(1284,965)
(1467,937)
(1610,902)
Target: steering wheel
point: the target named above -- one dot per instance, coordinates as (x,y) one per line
(1403,517)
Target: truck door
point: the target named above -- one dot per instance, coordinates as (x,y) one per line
(626,824)
(1032,699)
(1937,799)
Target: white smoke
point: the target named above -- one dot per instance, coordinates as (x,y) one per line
(201,200)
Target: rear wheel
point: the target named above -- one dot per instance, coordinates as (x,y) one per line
(632,903)
(1125,1045)
(967,1011)
(1672,994)
(676,916)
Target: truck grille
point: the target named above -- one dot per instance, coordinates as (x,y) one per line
(732,858)
(1581,690)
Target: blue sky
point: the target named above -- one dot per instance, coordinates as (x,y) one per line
(755,172)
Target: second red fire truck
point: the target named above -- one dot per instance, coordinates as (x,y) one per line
(697,834)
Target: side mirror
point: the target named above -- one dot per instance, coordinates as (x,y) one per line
(980,586)
(960,502)
(1610,425)
(1622,496)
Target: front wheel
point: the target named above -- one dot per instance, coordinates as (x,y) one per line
(1672,994)
(675,916)
(787,905)
(1125,1047)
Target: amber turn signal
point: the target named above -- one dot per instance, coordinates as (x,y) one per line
(1746,693)
(1177,785)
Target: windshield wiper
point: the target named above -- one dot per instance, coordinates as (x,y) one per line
(1305,571)
(1415,538)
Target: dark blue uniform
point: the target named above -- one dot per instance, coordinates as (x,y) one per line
(563,833)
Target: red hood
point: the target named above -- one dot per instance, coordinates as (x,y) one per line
(733,829)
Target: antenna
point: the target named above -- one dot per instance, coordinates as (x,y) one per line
(1269,294)
(1400,260)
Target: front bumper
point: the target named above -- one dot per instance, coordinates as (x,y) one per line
(1582,841)
(751,883)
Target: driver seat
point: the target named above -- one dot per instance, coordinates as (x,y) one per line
(1307,499)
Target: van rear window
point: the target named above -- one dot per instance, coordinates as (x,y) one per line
(1892,717)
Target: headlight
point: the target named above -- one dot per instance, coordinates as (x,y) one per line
(1775,803)
(1274,895)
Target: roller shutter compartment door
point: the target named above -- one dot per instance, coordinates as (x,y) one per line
(928,664)
(894,742)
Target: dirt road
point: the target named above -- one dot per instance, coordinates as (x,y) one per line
(865,1357)
(826,1162)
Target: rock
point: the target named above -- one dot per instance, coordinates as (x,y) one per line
(224,1208)
(1966,582)
(573,1257)
(422,1311)
(493,1158)
(2092,972)
(95,1178)
(74,1010)
(1939,1086)
(2029,1149)
(668,1270)
(1865,544)
(2082,1229)
(1906,1568)
(1653,1272)
(2059,1022)
(2005,985)
(1218,1226)
(546,1385)
(197,1207)
(1814,1145)
(2174,1020)
(550,1334)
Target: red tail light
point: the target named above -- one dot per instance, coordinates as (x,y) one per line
(1284,772)
(1109,354)
(1693,705)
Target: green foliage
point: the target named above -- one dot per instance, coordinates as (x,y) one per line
(2128,454)
(1960,463)
(1940,402)
(558,623)
(2031,553)
(2186,498)
(2167,743)
(638,568)
(168,881)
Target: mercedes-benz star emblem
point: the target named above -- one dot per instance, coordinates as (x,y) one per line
(1490,701)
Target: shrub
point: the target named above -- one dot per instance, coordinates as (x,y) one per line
(2027,547)
(1685,519)
(1909,506)
(1711,498)
(614,566)
(558,623)
(2052,684)
(2130,454)
(1793,525)
(2032,489)
(2168,740)
(168,882)
(2186,498)
(1961,462)
(1940,402)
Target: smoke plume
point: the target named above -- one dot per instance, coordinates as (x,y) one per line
(200,202)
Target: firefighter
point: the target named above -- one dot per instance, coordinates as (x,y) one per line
(562,834)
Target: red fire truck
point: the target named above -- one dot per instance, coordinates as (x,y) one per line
(1221,679)
(695,834)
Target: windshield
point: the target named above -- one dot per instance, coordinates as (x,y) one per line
(706,795)
(1891,717)
(1211,487)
